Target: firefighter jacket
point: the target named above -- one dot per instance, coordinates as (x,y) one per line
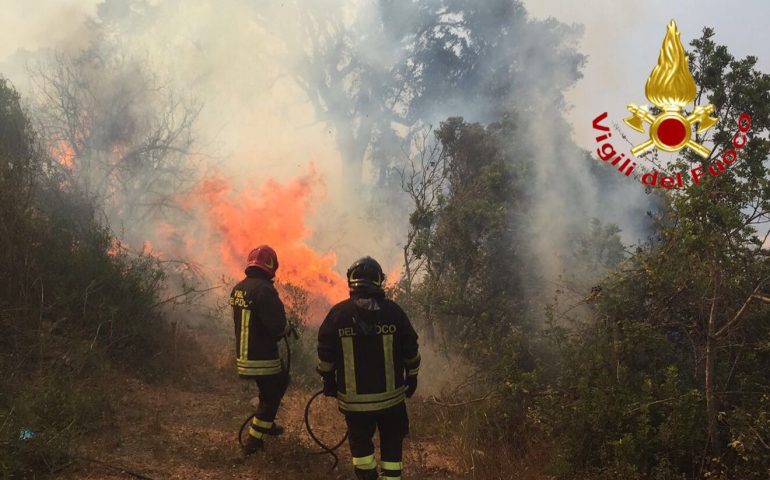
(260,322)
(369,345)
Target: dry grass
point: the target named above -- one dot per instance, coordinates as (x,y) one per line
(185,432)
(464,436)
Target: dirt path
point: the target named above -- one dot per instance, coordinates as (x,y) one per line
(170,432)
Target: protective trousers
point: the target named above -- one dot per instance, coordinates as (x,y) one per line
(393,425)
(271,391)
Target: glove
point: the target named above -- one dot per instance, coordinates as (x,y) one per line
(411,385)
(330,386)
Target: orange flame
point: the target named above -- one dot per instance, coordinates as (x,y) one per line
(670,85)
(394,275)
(273,214)
(116,247)
(63,152)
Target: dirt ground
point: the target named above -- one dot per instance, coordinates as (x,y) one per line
(176,432)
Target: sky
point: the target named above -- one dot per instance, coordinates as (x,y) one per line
(254,116)
(622,40)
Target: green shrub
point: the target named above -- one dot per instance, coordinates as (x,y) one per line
(71,304)
(39,424)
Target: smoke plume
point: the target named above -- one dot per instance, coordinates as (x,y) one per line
(298,113)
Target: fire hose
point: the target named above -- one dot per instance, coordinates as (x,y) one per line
(325,449)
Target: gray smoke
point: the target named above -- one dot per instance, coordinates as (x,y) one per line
(344,84)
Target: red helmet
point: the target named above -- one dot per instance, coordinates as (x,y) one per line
(263,257)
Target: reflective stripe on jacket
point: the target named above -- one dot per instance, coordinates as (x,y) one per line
(260,322)
(369,351)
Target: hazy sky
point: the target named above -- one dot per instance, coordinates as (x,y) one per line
(621,39)
(40,23)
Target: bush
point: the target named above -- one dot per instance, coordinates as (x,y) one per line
(71,303)
(38,426)
(304,356)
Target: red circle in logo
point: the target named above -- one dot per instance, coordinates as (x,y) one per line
(672,132)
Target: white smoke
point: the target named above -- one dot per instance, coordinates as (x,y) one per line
(249,65)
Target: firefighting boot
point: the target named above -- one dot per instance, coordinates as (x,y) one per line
(275,430)
(366,474)
(252,445)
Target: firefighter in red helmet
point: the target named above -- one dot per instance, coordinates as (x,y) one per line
(369,360)
(260,322)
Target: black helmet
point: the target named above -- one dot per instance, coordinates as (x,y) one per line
(365,275)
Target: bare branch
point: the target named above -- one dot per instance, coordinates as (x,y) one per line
(436,401)
(738,314)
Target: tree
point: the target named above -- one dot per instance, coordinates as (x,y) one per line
(422,179)
(20,160)
(68,303)
(463,236)
(725,217)
(403,65)
(125,137)
(672,376)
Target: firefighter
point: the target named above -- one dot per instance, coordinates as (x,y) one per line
(369,359)
(260,322)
